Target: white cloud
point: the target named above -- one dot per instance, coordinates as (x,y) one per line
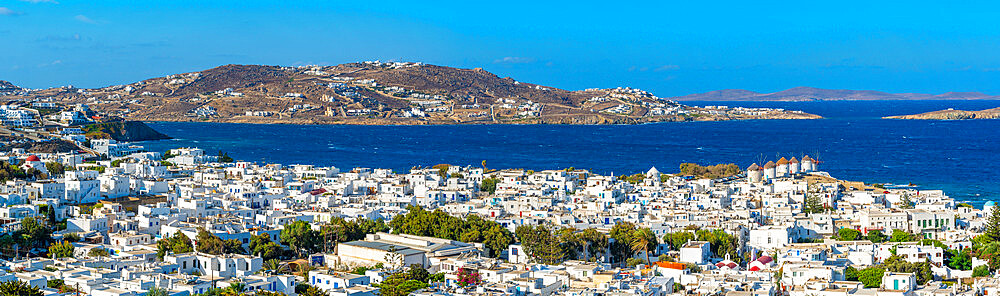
(85,19)
(9,12)
(41,1)
(667,67)
(514,60)
(657,69)
(53,63)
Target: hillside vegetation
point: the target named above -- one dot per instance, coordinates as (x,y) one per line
(376,93)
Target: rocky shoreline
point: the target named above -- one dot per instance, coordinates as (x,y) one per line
(951,114)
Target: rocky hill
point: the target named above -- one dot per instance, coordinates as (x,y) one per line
(819,94)
(8,88)
(952,114)
(124,131)
(377,93)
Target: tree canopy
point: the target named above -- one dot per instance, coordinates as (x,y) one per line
(299,236)
(472,229)
(711,172)
(540,243)
(722,243)
(261,245)
(489,185)
(847,234)
(212,244)
(871,277)
(176,244)
(18,288)
(676,240)
(61,250)
(404,283)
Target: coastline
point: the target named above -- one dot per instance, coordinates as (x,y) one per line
(396,122)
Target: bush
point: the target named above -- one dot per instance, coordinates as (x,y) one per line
(634,261)
(489,185)
(982,270)
(871,277)
(710,172)
(847,234)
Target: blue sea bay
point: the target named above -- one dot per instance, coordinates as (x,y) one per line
(852,141)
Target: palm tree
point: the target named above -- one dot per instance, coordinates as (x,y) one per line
(154,291)
(643,239)
(274,265)
(236,288)
(18,288)
(304,270)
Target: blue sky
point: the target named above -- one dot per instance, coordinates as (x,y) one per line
(670,48)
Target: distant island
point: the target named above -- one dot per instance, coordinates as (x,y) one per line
(818,94)
(952,114)
(380,93)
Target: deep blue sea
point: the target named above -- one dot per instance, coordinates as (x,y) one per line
(853,142)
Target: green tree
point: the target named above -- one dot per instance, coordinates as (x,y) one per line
(155,291)
(261,245)
(234,246)
(851,274)
(932,242)
(621,235)
(721,243)
(34,233)
(710,172)
(176,244)
(473,229)
(18,288)
(224,157)
(993,225)
(489,185)
(871,277)
(899,236)
(496,239)
(55,168)
(981,271)
(50,213)
(540,243)
(312,291)
(404,283)
(643,240)
(922,270)
(55,284)
(812,204)
(961,260)
(594,242)
(71,237)
(847,234)
(906,202)
(236,288)
(572,244)
(209,243)
(61,250)
(876,236)
(676,240)
(299,236)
